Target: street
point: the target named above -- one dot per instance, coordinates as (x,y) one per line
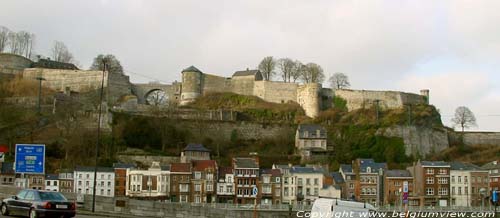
(78,216)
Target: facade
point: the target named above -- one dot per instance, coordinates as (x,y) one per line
(84,181)
(36,181)
(309,181)
(52,182)
(431,183)
(7,175)
(246,177)
(339,182)
(194,152)
(369,180)
(203,181)
(466,183)
(270,186)
(349,179)
(393,187)
(289,187)
(493,169)
(330,191)
(225,185)
(121,177)
(153,183)
(66,181)
(180,182)
(310,139)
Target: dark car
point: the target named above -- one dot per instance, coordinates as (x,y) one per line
(38,203)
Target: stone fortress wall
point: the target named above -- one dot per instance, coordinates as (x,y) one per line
(13,64)
(357,99)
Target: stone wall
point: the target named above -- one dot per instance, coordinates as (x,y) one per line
(75,80)
(308,97)
(13,64)
(119,85)
(476,138)
(148,160)
(357,99)
(418,140)
(212,83)
(277,92)
(243,85)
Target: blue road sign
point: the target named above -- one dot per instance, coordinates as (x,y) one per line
(255,190)
(494,196)
(30,159)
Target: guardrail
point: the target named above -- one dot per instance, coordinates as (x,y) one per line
(438,208)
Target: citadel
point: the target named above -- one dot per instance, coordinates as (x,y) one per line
(312,97)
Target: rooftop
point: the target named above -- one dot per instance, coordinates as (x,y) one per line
(246,73)
(370,163)
(273,172)
(397,173)
(124,165)
(337,177)
(180,167)
(196,147)
(223,171)
(8,168)
(463,166)
(435,164)
(201,165)
(491,165)
(310,130)
(91,169)
(306,170)
(346,168)
(51,177)
(191,69)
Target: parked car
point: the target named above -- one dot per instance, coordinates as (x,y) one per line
(38,203)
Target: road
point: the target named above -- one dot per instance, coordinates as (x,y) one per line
(77,216)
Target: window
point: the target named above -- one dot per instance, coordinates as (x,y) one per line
(55,183)
(453,190)
(466,190)
(102,176)
(197,187)
(102,192)
(368,169)
(285,191)
(429,191)
(209,187)
(278,179)
(109,176)
(442,180)
(465,179)
(109,184)
(79,183)
(210,176)
(197,175)
(267,179)
(442,171)
(459,190)
(184,187)
(459,179)
(109,192)
(308,181)
(351,186)
(229,189)
(430,171)
(316,191)
(429,180)
(47,183)
(299,181)
(443,191)
(452,179)
(316,181)
(285,180)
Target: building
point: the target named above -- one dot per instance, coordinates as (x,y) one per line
(203,181)
(52,182)
(84,181)
(289,184)
(308,182)
(194,152)
(36,181)
(310,140)
(339,182)
(180,182)
(393,187)
(431,183)
(270,186)
(246,177)
(349,179)
(225,185)
(369,180)
(467,181)
(153,183)
(121,177)
(330,191)
(7,175)
(66,181)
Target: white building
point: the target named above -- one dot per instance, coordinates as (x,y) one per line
(225,185)
(466,182)
(288,186)
(52,182)
(301,185)
(330,191)
(84,181)
(151,183)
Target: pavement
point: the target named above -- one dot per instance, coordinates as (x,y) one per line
(87,214)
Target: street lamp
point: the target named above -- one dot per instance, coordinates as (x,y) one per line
(98,135)
(467,193)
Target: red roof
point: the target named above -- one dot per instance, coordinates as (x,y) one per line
(180,167)
(201,165)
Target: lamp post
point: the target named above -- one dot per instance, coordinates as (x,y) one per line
(98,136)
(467,193)
(39,108)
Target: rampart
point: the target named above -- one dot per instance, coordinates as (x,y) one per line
(357,99)
(277,92)
(61,80)
(13,64)
(476,138)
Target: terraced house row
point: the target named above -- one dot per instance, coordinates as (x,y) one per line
(198,179)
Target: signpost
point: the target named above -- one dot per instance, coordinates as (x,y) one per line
(405,196)
(255,191)
(30,158)
(494,199)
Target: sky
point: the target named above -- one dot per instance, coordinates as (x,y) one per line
(450,47)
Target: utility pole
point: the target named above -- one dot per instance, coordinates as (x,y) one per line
(39,107)
(98,136)
(377,109)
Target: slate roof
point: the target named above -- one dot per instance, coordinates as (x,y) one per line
(305,170)
(201,165)
(91,169)
(463,166)
(311,129)
(435,164)
(375,167)
(124,165)
(165,167)
(180,167)
(245,162)
(397,173)
(191,69)
(51,177)
(273,172)
(346,168)
(223,171)
(246,73)
(337,177)
(196,147)
(8,168)
(491,165)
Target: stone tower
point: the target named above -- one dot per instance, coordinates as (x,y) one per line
(425,92)
(191,85)
(309,98)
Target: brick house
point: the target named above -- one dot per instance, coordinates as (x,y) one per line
(121,177)
(368,181)
(152,183)
(350,181)
(180,182)
(270,186)
(246,177)
(194,152)
(36,181)
(203,181)
(431,183)
(393,186)
(66,181)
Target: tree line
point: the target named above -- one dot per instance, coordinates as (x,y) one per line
(293,71)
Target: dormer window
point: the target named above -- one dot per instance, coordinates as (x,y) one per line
(368,169)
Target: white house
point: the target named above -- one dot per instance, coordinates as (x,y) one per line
(52,182)
(84,181)
(301,185)
(466,183)
(225,185)
(151,183)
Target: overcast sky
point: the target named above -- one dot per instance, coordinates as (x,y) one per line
(450,47)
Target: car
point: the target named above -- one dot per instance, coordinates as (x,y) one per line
(38,203)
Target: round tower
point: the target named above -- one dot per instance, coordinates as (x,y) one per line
(191,85)
(425,93)
(309,98)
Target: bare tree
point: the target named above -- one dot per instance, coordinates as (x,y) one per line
(313,73)
(286,66)
(61,53)
(297,71)
(267,66)
(339,81)
(4,38)
(464,118)
(13,42)
(112,63)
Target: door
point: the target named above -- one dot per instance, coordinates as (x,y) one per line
(26,203)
